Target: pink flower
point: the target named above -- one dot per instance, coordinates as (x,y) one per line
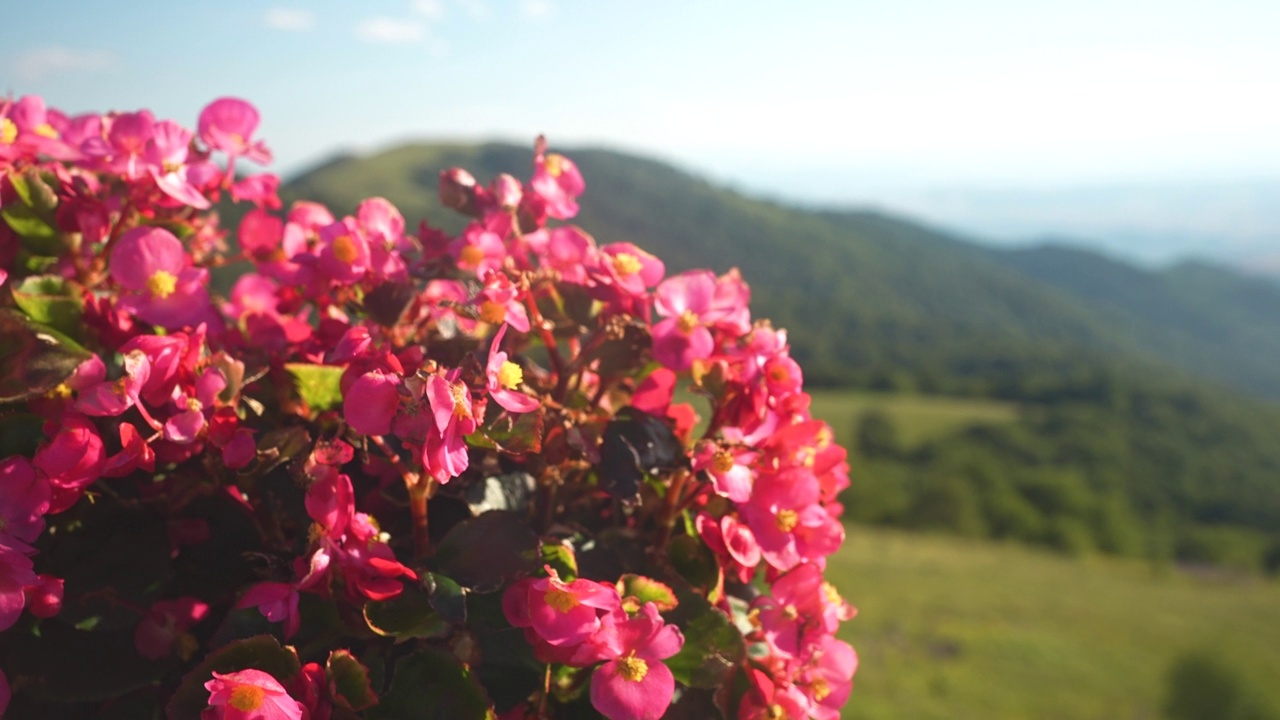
(344,252)
(828,676)
(72,460)
(151,264)
(249,695)
(729,469)
(634,683)
(479,249)
(331,500)
(503,377)
(277,601)
(227,124)
(444,454)
(556,181)
(44,597)
(628,269)
(24,499)
(15,575)
(371,402)
(261,190)
(167,162)
(499,302)
(163,632)
(561,613)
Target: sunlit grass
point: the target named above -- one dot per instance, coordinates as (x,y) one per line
(949,628)
(916,417)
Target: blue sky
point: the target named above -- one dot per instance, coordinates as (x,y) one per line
(828,100)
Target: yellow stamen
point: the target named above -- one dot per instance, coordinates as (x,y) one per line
(779,374)
(510,375)
(833,595)
(790,612)
(8,131)
(632,668)
(247,697)
(560,599)
(161,284)
(62,391)
(46,130)
(626,264)
(194,404)
(820,689)
(687,322)
(786,520)
(554,164)
(344,249)
(722,463)
(461,401)
(471,255)
(753,617)
(776,712)
(493,312)
(171,167)
(824,438)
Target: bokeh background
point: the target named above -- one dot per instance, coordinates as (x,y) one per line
(1028,254)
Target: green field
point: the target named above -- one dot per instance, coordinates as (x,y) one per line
(917,417)
(950,628)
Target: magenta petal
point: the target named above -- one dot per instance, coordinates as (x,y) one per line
(371,403)
(618,698)
(184,427)
(176,185)
(514,401)
(143,251)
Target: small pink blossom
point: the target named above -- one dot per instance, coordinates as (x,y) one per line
(163,632)
(444,454)
(634,683)
(371,402)
(503,377)
(24,499)
(249,695)
(556,181)
(151,264)
(277,601)
(227,124)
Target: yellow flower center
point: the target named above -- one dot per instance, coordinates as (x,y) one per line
(493,312)
(247,697)
(510,375)
(723,462)
(554,164)
(237,139)
(775,712)
(820,689)
(8,131)
(161,284)
(687,322)
(833,595)
(824,438)
(344,249)
(560,599)
(460,401)
(46,130)
(779,374)
(790,612)
(471,255)
(62,391)
(626,264)
(170,166)
(194,404)
(786,520)
(632,668)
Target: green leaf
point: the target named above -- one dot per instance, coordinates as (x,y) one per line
(281,445)
(349,680)
(49,299)
(644,590)
(713,647)
(318,385)
(406,616)
(28,223)
(22,187)
(432,685)
(560,557)
(694,561)
(447,597)
(481,553)
(261,653)
(34,358)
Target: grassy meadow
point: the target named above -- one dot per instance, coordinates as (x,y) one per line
(954,628)
(917,417)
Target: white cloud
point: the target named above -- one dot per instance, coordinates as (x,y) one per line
(291,19)
(41,63)
(535,8)
(477,9)
(387,30)
(429,9)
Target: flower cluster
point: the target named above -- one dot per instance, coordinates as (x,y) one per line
(504,471)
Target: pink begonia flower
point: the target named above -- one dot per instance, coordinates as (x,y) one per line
(227,124)
(729,468)
(134,454)
(44,597)
(768,700)
(792,616)
(828,677)
(249,695)
(260,233)
(732,542)
(240,451)
(787,520)
(122,143)
(634,683)
(261,190)
(15,575)
(444,453)
(503,377)
(370,404)
(171,357)
(330,500)
(277,601)
(24,499)
(109,399)
(499,302)
(344,252)
(151,263)
(567,249)
(72,460)
(556,181)
(166,158)
(478,249)
(559,613)
(655,392)
(163,632)
(629,269)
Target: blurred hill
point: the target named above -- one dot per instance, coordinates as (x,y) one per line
(1133,431)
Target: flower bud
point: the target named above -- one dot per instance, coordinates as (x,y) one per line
(458,190)
(507,191)
(44,599)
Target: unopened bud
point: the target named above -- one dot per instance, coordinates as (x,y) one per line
(507,191)
(458,190)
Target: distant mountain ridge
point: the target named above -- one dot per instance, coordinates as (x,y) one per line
(875,300)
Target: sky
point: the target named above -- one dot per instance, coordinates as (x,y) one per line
(890,103)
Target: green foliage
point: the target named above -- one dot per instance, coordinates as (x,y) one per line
(318,385)
(1205,685)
